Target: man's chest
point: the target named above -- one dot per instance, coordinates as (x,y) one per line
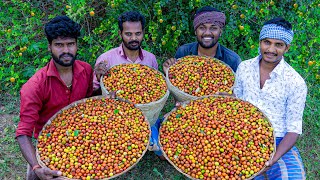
(273,93)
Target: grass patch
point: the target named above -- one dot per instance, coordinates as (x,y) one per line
(150,167)
(309,143)
(9,104)
(12,164)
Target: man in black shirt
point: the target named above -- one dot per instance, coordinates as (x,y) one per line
(208,24)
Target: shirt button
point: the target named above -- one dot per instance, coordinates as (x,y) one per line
(67,91)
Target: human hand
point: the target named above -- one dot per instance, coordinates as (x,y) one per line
(168,63)
(268,165)
(101,69)
(46,174)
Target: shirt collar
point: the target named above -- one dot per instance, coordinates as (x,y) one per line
(276,71)
(122,53)
(53,71)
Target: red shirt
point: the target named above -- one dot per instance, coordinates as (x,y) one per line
(45,93)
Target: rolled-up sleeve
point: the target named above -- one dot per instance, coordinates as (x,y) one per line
(295,107)
(30,106)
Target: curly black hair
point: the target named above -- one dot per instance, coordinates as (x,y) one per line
(62,26)
(281,22)
(205,9)
(132,16)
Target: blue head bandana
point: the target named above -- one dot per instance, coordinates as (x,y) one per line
(274,31)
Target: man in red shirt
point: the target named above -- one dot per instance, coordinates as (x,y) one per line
(62,81)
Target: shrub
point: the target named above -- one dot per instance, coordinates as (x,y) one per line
(169,24)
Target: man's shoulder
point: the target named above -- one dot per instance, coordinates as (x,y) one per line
(249,61)
(187,46)
(83,64)
(230,53)
(147,53)
(110,52)
(41,73)
(292,76)
(186,49)
(37,79)
(247,64)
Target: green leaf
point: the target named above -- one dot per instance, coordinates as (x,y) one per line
(76,132)
(155,170)
(28,71)
(35,47)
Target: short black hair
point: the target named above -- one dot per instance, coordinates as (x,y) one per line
(62,26)
(205,9)
(132,16)
(281,22)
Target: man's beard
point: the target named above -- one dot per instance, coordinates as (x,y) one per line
(133,48)
(60,62)
(213,43)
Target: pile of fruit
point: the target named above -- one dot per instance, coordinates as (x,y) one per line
(97,139)
(201,75)
(137,83)
(217,137)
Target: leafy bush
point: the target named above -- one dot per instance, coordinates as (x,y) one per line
(24,48)
(169,24)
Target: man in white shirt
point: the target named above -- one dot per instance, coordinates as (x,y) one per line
(271,84)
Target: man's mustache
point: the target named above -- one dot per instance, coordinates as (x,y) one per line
(274,54)
(64,54)
(131,42)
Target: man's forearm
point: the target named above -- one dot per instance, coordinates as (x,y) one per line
(285,145)
(27,149)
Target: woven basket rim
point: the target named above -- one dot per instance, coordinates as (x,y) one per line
(202,97)
(189,95)
(145,104)
(82,101)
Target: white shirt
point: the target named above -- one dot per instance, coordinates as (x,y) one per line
(282,98)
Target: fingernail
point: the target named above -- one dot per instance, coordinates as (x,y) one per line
(59,173)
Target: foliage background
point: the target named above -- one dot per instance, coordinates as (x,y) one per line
(23,46)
